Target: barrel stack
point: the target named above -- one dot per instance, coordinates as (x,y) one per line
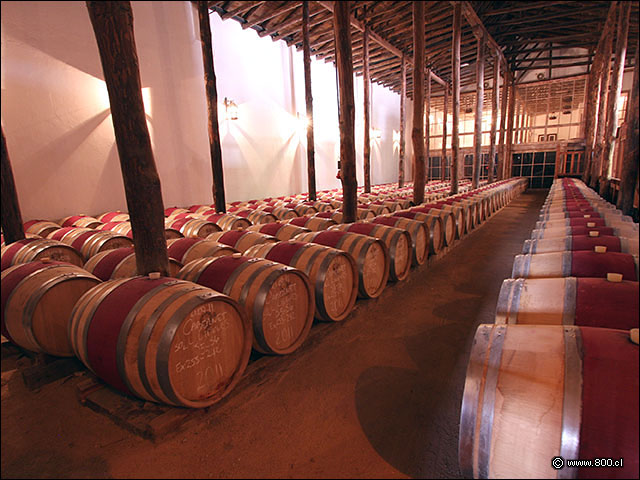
(556,376)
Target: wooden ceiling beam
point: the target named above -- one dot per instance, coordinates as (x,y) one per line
(527,6)
(479,29)
(244,8)
(548,16)
(275,13)
(377,38)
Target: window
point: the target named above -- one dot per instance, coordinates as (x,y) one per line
(538,167)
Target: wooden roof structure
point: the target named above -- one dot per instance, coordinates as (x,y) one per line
(528,34)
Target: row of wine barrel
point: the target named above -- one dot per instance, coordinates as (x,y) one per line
(556,377)
(183,341)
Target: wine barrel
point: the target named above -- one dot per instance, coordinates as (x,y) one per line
(40,227)
(116,216)
(447,218)
(592,302)
(281,213)
(332,272)
(120,263)
(161,339)
(334,215)
(575,264)
(459,217)
(282,231)
(32,249)
(79,221)
(379,209)
(588,222)
(581,242)
(67,234)
(434,225)
(313,223)
(370,254)
(185,250)
(256,216)
(172,211)
(418,232)
(278,299)
(193,227)
(301,209)
(227,221)
(96,241)
(37,299)
(321,206)
(591,231)
(241,240)
(398,244)
(536,392)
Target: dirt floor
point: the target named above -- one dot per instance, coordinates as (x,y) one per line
(375,396)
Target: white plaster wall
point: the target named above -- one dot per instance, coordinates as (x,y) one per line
(55,111)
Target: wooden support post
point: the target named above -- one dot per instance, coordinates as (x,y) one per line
(217,187)
(510,120)
(427,126)
(591,112)
(502,158)
(624,11)
(113,26)
(342,30)
(443,161)
(595,93)
(308,97)
(495,99)
(602,104)
(403,101)
(477,137)
(366,81)
(455,60)
(12,226)
(417,134)
(629,175)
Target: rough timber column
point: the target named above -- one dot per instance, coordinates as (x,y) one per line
(212,108)
(455,60)
(11,217)
(113,26)
(342,32)
(477,137)
(417,134)
(366,82)
(502,158)
(403,98)
(495,99)
(443,161)
(427,126)
(629,175)
(602,105)
(308,97)
(624,10)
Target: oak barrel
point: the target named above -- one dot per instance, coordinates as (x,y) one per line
(575,264)
(418,231)
(120,263)
(227,221)
(93,242)
(282,231)
(370,254)
(278,299)
(536,392)
(592,302)
(40,227)
(161,339)
(398,244)
(313,223)
(434,225)
(193,227)
(581,242)
(332,272)
(185,250)
(241,240)
(31,249)
(37,299)
(448,221)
